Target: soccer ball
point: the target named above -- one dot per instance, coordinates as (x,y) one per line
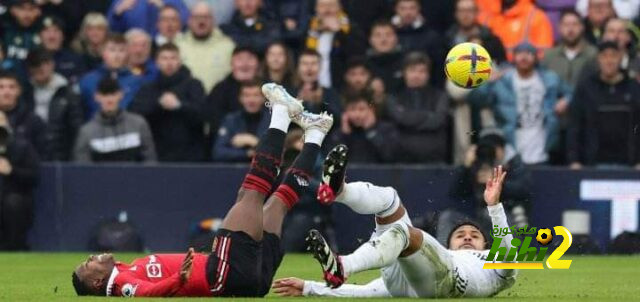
(544,236)
(468,65)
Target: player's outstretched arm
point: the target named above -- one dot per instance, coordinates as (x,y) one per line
(295,287)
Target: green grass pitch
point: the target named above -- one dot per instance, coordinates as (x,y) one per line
(47,277)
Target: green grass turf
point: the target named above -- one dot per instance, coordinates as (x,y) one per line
(47,277)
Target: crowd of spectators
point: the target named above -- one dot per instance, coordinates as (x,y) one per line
(178,80)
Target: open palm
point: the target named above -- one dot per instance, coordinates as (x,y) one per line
(494,186)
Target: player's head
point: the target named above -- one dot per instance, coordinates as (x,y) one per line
(90,277)
(467,235)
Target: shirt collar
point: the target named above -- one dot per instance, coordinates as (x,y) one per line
(112,279)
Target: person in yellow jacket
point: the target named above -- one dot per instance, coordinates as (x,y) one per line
(205,50)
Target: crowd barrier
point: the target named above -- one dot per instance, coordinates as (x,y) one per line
(163,201)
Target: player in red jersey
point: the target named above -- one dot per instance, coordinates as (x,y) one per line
(246,250)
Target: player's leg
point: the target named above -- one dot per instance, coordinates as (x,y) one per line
(246,214)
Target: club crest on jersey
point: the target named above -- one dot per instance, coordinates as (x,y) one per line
(129,290)
(154,270)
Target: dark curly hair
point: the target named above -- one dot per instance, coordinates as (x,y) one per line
(473,224)
(81,288)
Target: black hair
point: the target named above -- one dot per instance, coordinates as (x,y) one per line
(108,86)
(353,97)
(357,61)
(38,57)
(310,52)
(5,74)
(473,224)
(250,84)
(167,47)
(245,48)
(604,45)
(568,12)
(81,288)
(416,58)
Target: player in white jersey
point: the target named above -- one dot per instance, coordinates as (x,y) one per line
(412,262)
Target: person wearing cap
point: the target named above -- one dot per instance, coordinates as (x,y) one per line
(67,63)
(205,50)
(526,102)
(470,177)
(55,103)
(19,32)
(604,115)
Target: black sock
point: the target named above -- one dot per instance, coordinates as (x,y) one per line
(299,175)
(266,163)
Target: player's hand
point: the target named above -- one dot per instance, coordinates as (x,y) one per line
(288,287)
(494,186)
(187,266)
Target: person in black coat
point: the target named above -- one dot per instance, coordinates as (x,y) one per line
(172,105)
(604,115)
(294,18)
(369,140)
(385,56)
(414,34)
(69,64)
(421,113)
(251,26)
(55,103)
(18,175)
(23,121)
(239,134)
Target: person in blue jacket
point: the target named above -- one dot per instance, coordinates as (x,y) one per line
(127,14)
(240,130)
(114,56)
(527,102)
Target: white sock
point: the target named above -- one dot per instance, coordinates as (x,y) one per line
(314,136)
(379,252)
(280,118)
(367,199)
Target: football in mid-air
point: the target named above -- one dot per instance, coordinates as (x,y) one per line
(468,65)
(544,236)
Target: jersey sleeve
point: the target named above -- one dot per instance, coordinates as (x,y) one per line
(499,217)
(131,286)
(373,289)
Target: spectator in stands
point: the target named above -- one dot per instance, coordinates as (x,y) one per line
(91,38)
(240,131)
(366,15)
(168,27)
(526,103)
(15,105)
(20,30)
(415,35)
(55,103)
(68,64)
(616,30)
(14,66)
(114,135)
(114,57)
(18,174)
(598,12)
(252,26)
(385,57)
(369,140)
(294,16)
(223,99)
(359,79)
(521,21)
(139,55)
(469,181)
(205,50)
(221,10)
(554,9)
(335,38)
(420,112)
(604,115)
(316,97)
(624,9)
(124,15)
(172,105)
(467,27)
(73,11)
(573,54)
(279,65)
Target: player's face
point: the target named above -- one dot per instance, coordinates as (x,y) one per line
(95,269)
(467,237)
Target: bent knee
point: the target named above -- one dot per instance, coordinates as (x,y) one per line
(415,242)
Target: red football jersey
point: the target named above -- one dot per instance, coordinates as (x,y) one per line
(159,276)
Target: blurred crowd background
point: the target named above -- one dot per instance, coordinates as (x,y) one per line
(179,81)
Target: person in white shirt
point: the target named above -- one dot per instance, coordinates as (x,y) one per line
(412,262)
